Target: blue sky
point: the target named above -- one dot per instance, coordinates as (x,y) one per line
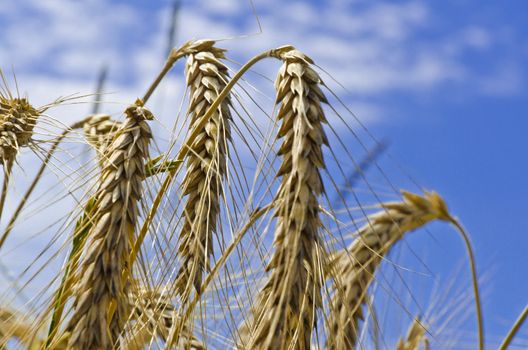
(444,82)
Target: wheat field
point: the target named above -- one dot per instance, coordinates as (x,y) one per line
(235,226)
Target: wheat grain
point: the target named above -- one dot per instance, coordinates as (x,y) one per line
(354,269)
(206,165)
(284,311)
(101,303)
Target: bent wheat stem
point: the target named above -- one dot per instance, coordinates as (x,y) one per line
(515,328)
(354,269)
(474,278)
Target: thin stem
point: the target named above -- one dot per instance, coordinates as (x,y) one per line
(177,327)
(45,162)
(82,227)
(472,263)
(166,68)
(7,175)
(513,331)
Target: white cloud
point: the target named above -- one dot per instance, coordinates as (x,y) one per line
(372,48)
(504,81)
(477,37)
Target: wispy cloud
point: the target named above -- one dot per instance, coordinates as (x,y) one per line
(371,48)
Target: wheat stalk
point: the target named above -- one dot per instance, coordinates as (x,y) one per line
(354,269)
(284,311)
(206,165)
(514,329)
(101,302)
(415,337)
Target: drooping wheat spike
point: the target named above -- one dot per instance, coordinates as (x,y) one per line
(284,311)
(206,165)
(17,120)
(100,308)
(99,131)
(354,268)
(415,337)
(154,315)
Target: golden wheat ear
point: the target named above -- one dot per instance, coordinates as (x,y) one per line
(415,337)
(353,269)
(17,121)
(283,315)
(206,165)
(101,305)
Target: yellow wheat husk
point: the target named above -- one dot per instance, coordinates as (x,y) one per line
(353,269)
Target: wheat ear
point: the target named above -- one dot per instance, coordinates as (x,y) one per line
(284,313)
(101,303)
(354,269)
(155,315)
(415,337)
(99,131)
(17,120)
(206,165)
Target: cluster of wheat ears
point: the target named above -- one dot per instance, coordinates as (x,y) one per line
(148,261)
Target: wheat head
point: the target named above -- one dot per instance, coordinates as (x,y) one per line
(100,308)
(17,120)
(206,76)
(415,337)
(354,268)
(284,311)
